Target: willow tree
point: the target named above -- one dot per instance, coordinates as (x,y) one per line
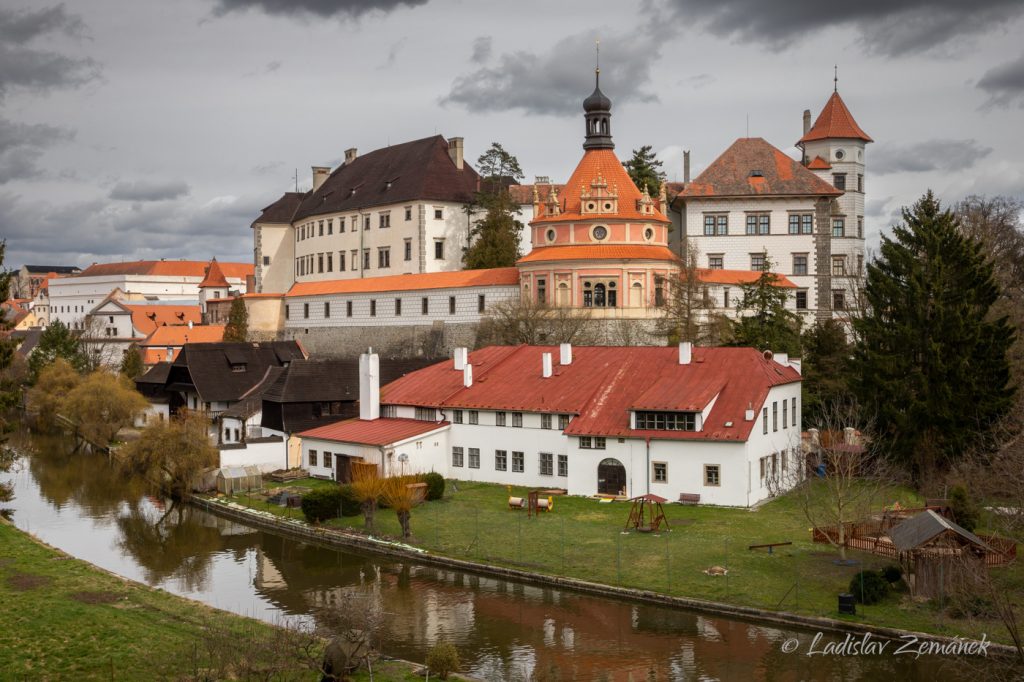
(46,398)
(401,494)
(102,404)
(368,486)
(170,455)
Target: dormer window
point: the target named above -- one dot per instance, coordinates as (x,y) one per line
(238,367)
(666,421)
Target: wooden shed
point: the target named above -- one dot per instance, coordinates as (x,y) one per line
(938,555)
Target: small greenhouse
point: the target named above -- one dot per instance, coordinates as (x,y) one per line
(231,480)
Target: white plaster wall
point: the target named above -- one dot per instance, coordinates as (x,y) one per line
(776,440)
(267,456)
(277,242)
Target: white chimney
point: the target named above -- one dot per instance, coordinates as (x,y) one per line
(190,324)
(781,358)
(565,354)
(467,375)
(461,357)
(796,364)
(545,365)
(685,353)
(350,155)
(749,415)
(320,174)
(850,435)
(170,353)
(686,166)
(455,151)
(369,386)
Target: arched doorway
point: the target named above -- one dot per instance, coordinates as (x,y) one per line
(611,477)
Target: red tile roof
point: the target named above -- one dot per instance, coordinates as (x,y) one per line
(523,194)
(602,384)
(819,164)
(835,122)
(734,174)
(146,318)
(164,268)
(739,277)
(383,431)
(179,335)
(214,277)
(429,280)
(603,163)
(599,252)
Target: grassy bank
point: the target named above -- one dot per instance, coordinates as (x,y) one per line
(582,538)
(62,618)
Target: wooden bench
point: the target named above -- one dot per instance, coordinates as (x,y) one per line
(689,498)
(770,546)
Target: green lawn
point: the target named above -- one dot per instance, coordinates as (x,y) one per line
(583,538)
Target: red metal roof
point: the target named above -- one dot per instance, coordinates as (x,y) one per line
(739,277)
(835,122)
(382,431)
(428,280)
(599,252)
(602,384)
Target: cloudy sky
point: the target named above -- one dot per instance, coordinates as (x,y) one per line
(151,129)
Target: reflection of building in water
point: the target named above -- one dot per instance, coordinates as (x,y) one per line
(267,575)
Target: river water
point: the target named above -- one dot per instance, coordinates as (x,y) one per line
(504,630)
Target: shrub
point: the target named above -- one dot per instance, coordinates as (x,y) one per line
(972,606)
(892,573)
(869,587)
(321,504)
(350,503)
(443,659)
(965,511)
(435,486)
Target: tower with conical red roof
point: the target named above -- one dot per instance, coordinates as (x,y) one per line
(214,285)
(601,243)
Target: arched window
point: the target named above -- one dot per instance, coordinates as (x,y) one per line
(599,296)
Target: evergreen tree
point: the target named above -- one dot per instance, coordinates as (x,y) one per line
(930,360)
(237,328)
(645,169)
(57,341)
(826,368)
(494,237)
(770,326)
(131,363)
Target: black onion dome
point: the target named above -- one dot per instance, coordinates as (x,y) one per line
(597,101)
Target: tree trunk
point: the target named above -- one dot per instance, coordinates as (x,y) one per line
(369,509)
(403,519)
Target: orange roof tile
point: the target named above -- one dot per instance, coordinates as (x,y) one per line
(523,194)
(214,277)
(166,268)
(602,384)
(179,335)
(430,280)
(599,252)
(819,164)
(146,318)
(835,121)
(254,295)
(151,356)
(603,163)
(382,431)
(739,277)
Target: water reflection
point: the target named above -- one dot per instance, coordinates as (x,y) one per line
(504,630)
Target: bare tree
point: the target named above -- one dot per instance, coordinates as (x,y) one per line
(685,302)
(99,350)
(522,321)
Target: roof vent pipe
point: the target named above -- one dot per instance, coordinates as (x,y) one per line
(190,324)
(467,375)
(461,358)
(749,415)
(565,354)
(685,353)
(545,370)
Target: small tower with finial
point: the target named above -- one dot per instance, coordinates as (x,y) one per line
(598,114)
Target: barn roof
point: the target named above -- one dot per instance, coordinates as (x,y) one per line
(921,529)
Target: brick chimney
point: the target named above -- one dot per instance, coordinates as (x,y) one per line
(369,386)
(320,174)
(455,151)
(350,155)
(807,121)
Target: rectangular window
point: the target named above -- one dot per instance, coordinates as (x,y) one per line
(716,261)
(355,259)
(366,222)
(785,414)
(398,307)
(799,263)
(542,290)
(330,226)
(366,259)
(517,419)
(408,249)
(457,457)
(722,225)
(665,421)
(287,311)
(384,257)
(860,182)
(474,417)
(312,458)
(425,305)
(801,299)
(266,260)
(839,180)
(725,297)
(563,465)
(341,261)
(408,212)
(563,421)
(500,460)
(838,266)
(328,460)
(794,223)
(439,249)
(385,220)
(451,305)
(518,462)
(341,224)
(764,223)
(712,475)
(481,303)
(330,262)
(456,416)
(599,443)
(838,300)
(348,308)
(775,415)
(321,233)
(838,227)
(794,411)
(425,414)
(547,464)
(305,310)
(474,458)
(757,261)
(499,419)
(545,421)
(660,472)
(438,214)
(709,226)
(764,420)
(751,224)
(860,227)
(860,264)
(327,309)
(586,443)
(807,224)
(373,307)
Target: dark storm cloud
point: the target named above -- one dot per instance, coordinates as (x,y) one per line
(148,191)
(320,8)
(556,81)
(482,49)
(887,27)
(931,155)
(21,145)
(24,66)
(1005,83)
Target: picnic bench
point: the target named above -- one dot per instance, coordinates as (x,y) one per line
(689,498)
(770,546)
